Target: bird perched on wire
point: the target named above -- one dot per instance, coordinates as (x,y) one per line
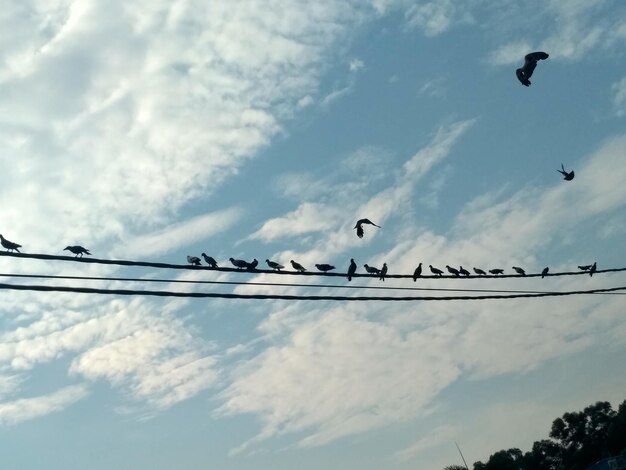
(371,269)
(452,270)
(10,246)
(480,272)
(239,263)
(519,271)
(463,271)
(592,269)
(418,272)
(435,271)
(193,260)
(251,266)
(585,268)
(544,273)
(530,62)
(298,266)
(359,226)
(496,272)
(383,272)
(351,269)
(209,260)
(275,266)
(324,267)
(77,250)
(567,175)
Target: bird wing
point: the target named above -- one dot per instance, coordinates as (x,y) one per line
(359,231)
(535,56)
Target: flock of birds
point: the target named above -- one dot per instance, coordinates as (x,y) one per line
(523,74)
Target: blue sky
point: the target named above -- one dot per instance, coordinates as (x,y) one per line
(154,130)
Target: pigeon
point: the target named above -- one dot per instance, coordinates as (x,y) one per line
(592,269)
(77,250)
(10,246)
(209,260)
(359,226)
(530,62)
(437,272)
(496,272)
(275,266)
(544,273)
(480,272)
(371,269)
(351,269)
(585,268)
(298,266)
(253,265)
(567,175)
(452,270)
(239,263)
(194,260)
(383,272)
(418,272)
(324,267)
(519,271)
(463,271)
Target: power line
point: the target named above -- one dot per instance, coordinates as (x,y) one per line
(87,290)
(289,273)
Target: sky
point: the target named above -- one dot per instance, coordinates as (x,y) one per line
(153,130)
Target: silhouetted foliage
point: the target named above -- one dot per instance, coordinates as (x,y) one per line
(455,467)
(511,459)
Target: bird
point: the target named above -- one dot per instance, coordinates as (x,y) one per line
(10,246)
(324,267)
(77,250)
(253,265)
(519,271)
(567,175)
(239,263)
(383,272)
(592,269)
(585,268)
(463,271)
(209,260)
(480,272)
(194,260)
(371,269)
(274,265)
(418,272)
(530,62)
(496,272)
(359,226)
(351,269)
(437,272)
(452,270)
(544,273)
(298,266)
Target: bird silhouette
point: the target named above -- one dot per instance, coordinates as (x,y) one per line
(496,272)
(351,269)
(452,270)
(359,226)
(418,272)
(383,272)
(371,269)
(435,271)
(252,266)
(463,271)
(193,260)
(585,268)
(298,266)
(592,269)
(77,250)
(324,267)
(544,273)
(530,62)
(239,263)
(209,260)
(480,272)
(10,246)
(519,271)
(275,266)
(567,176)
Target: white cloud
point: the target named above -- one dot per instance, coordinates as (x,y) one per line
(438,436)
(437,16)
(619,97)
(356,65)
(512,53)
(23,409)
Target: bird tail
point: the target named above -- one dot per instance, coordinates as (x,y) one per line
(87,252)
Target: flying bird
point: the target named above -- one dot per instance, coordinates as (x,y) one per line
(592,269)
(371,269)
(275,266)
(254,264)
(452,270)
(435,271)
(585,268)
(351,269)
(383,272)
(298,266)
(77,250)
(530,62)
(480,272)
(193,260)
(567,175)
(10,246)
(496,272)
(519,271)
(544,273)
(324,267)
(418,272)
(359,226)
(209,260)
(463,271)
(239,263)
